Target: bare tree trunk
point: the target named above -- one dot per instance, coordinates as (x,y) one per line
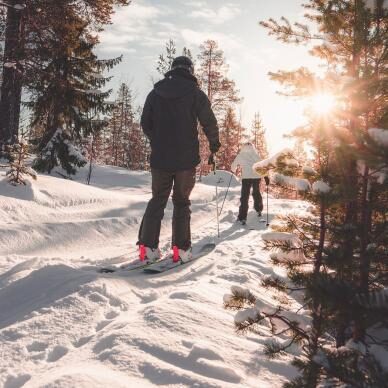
(11,88)
(91,161)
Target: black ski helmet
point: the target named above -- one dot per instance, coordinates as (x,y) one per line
(183,62)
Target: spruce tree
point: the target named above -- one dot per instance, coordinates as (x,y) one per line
(65,90)
(28,23)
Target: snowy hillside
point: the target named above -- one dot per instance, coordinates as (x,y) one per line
(63,324)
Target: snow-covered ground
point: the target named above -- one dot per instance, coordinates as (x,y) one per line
(63,324)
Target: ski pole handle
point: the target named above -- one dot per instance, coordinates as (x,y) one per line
(266,179)
(212,162)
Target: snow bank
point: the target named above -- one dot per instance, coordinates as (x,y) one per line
(65,325)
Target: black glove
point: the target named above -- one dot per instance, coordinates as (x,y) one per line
(266,180)
(214,147)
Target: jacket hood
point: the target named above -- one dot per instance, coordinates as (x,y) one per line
(177,83)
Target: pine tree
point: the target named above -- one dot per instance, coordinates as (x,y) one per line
(230,137)
(142,145)
(139,146)
(338,255)
(120,127)
(165,60)
(221,91)
(299,151)
(258,136)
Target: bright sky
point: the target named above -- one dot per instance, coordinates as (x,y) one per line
(140,32)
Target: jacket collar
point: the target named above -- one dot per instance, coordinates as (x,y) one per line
(181,73)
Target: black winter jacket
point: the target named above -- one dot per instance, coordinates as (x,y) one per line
(170,121)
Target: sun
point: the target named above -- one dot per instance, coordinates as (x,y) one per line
(322,103)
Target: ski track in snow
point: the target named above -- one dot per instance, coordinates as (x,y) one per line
(62,324)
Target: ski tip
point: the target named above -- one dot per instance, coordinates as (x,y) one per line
(209,246)
(151,271)
(106,270)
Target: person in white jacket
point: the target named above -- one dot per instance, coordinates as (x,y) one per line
(246,158)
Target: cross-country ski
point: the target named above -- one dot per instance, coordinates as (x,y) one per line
(168,263)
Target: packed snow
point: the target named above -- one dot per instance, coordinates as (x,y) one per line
(63,324)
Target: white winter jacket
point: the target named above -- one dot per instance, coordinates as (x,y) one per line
(246,158)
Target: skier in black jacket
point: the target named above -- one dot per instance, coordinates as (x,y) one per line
(170,121)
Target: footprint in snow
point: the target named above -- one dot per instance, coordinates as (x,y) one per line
(147,296)
(112,314)
(37,346)
(82,341)
(102,324)
(107,342)
(12,335)
(16,381)
(57,353)
(201,360)
(202,351)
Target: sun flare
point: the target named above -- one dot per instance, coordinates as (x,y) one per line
(322,103)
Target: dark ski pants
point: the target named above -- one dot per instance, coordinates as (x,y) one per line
(182,183)
(247,184)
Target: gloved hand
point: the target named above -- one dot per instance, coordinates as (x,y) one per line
(214,147)
(210,161)
(266,180)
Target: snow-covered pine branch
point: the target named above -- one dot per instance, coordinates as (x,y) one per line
(286,247)
(299,184)
(287,172)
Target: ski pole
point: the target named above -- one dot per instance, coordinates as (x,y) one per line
(267,183)
(227,190)
(212,161)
